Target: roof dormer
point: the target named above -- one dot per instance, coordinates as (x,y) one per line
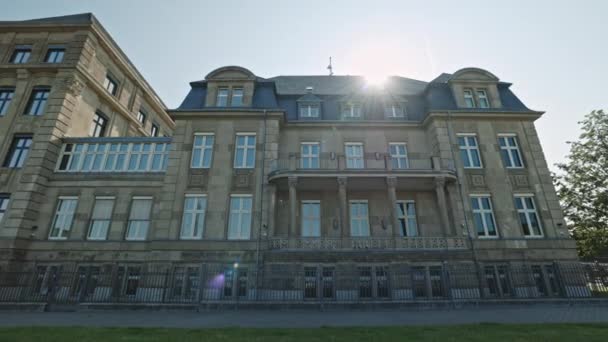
(309,106)
(475,88)
(230,87)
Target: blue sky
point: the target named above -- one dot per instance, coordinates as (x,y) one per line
(554,52)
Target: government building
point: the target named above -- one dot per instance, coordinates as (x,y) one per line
(286,188)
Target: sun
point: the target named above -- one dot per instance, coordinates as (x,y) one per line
(375,79)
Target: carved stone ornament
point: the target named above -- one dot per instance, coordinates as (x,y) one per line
(478,180)
(74,86)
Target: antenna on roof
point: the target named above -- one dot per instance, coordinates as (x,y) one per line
(330,67)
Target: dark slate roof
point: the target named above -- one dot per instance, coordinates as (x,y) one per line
(74,19)
(309,98)
(418,97)
(341,85)
(195,98)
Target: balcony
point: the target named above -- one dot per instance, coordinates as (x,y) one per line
(367,243)
(113,155)
(328,164)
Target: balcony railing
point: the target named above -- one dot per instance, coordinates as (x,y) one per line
(114,155)
(333,161)
(401,243)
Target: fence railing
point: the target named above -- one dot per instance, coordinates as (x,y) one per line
(210,283)
(114,155)
(336,161)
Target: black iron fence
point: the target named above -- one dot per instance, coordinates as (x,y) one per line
(208,283)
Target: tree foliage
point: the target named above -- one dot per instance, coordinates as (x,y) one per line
(582,186)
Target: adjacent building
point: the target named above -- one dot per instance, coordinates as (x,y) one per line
(296,188)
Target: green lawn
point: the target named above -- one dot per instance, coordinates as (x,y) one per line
(481,332)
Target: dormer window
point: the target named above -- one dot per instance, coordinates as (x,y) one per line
(229,97)
(482,98)
(237,97)
(469,100)
(309,110)
(394,111)
(222,97)
(351,111)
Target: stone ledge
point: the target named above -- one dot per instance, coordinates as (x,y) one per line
(313,305)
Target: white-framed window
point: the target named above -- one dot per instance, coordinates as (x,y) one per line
(359,218)
(528,216)
(101,218)
(193,219)
(113,157)
(222,97)
(64,216)
(202,150)
(394,111)
(469,150)
(469,98)
(483,216)
(311,218)
(141,117)
(4,198)
(398,153)
(309,110)
(244,156)
(139,218)
(239,222)
(309,155)
(509,150)
(237,97)
(351,111)
(406,215)
(354,155)
(482,98)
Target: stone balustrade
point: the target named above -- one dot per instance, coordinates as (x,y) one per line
(402,243)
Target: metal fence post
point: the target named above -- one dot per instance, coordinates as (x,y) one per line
(166,284)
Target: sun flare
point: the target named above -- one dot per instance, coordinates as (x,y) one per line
(375,79)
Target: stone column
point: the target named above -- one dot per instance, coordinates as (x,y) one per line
(344,226)
(442,204)
(272,202)
(293,206)
(391,183)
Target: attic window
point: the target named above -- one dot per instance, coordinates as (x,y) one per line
(394,111)
(309,110)
(222,97)
(351,111)
(482,98)
(469,100)
(237,97)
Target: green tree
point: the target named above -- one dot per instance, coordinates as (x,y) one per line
(582,186)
